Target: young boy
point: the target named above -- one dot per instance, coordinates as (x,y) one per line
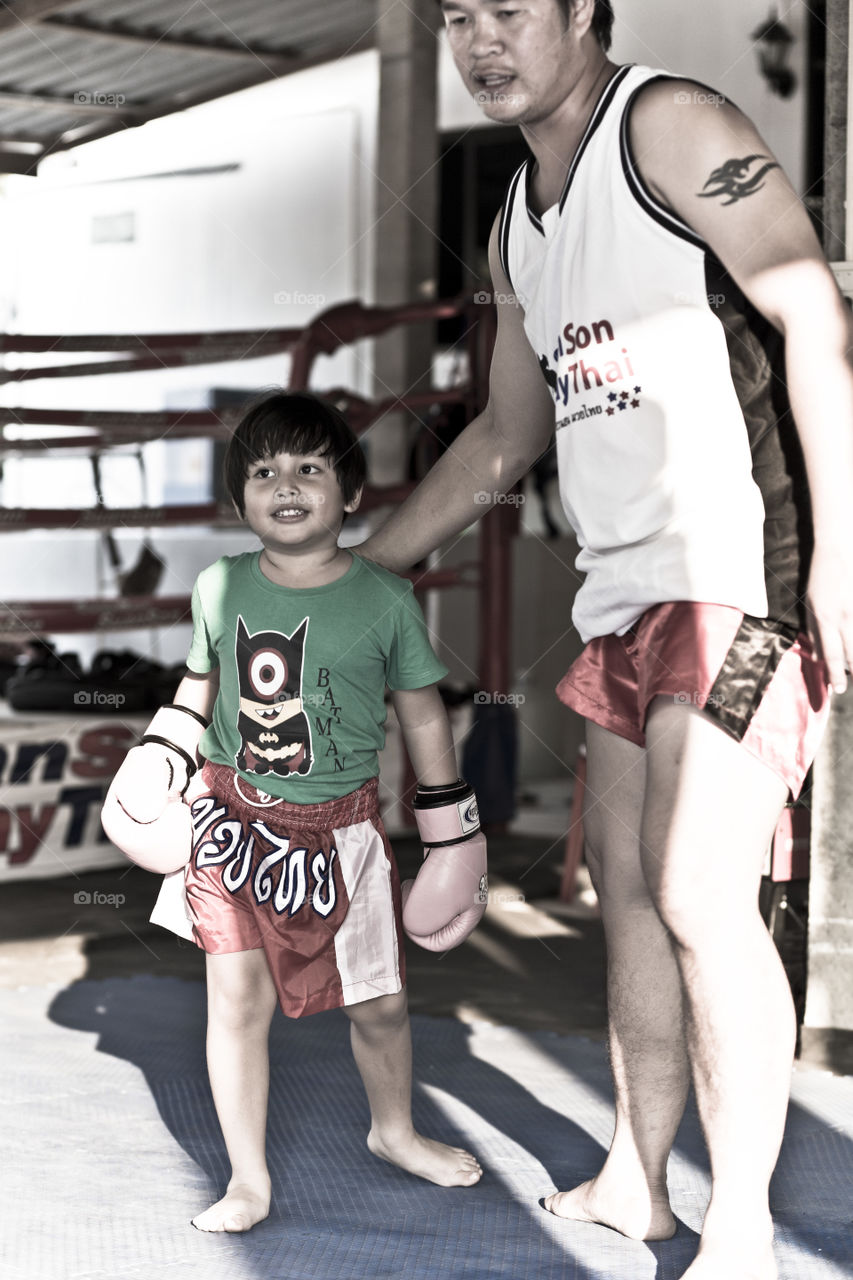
(292,889)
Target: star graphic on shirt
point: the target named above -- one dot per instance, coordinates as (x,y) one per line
(624,396)
(622,404)
(637,390)
(610,411)
(612,396)
(635,404)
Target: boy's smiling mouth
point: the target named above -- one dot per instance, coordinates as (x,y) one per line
(289,513)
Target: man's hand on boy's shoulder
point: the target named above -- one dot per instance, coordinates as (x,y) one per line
(366,551)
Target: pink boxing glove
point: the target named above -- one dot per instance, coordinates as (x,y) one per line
(144,814)
(446,900)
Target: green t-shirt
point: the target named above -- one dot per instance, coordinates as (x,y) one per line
(300,711)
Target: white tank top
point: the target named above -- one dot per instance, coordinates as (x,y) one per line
(654,456)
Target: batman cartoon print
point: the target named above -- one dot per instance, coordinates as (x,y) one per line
(275,736)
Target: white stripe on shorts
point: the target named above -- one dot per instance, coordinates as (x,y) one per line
(366,942)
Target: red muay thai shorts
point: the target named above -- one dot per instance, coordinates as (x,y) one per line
(316,886)
(759,680)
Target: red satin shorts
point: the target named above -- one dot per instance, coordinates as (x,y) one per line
(316,886)
(758,679)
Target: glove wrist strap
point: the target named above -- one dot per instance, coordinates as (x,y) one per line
(446,815)
(172,731)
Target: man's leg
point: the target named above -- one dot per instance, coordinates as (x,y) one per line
(710,812)
(241,1000)
(382,1047)
(647,1051)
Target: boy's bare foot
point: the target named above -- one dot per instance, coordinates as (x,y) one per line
(240,1208)
(640,1217)
(435,1161)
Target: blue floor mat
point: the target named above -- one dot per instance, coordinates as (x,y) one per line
(110,1145)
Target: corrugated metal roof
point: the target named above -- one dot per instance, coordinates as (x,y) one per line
(74,71)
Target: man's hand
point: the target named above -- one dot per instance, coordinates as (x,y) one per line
(830,611)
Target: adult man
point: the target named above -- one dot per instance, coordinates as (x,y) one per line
(682,476)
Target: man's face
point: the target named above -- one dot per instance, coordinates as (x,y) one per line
(518,60)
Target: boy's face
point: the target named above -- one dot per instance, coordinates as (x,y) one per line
(294,503)
(517,59)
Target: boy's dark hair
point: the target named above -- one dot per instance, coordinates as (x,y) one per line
(292,422)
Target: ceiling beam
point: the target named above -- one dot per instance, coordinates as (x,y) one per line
(22,138)
(17,161)
(98,121)
(279,60)
(168,106)
(23,13)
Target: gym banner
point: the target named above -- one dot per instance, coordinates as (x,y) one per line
(54,774)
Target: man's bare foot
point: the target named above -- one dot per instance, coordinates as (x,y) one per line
(735,1249)
(240,1208)
(640,1217)
(435,1161)
(729,1265)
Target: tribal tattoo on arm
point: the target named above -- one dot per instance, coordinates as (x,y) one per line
(733,179)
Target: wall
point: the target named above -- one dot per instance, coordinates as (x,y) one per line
(829,1004)
(254,210)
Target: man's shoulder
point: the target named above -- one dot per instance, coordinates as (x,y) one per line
(665,93)
(665,108)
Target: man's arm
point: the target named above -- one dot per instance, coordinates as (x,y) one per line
(707,162)
(490,455)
